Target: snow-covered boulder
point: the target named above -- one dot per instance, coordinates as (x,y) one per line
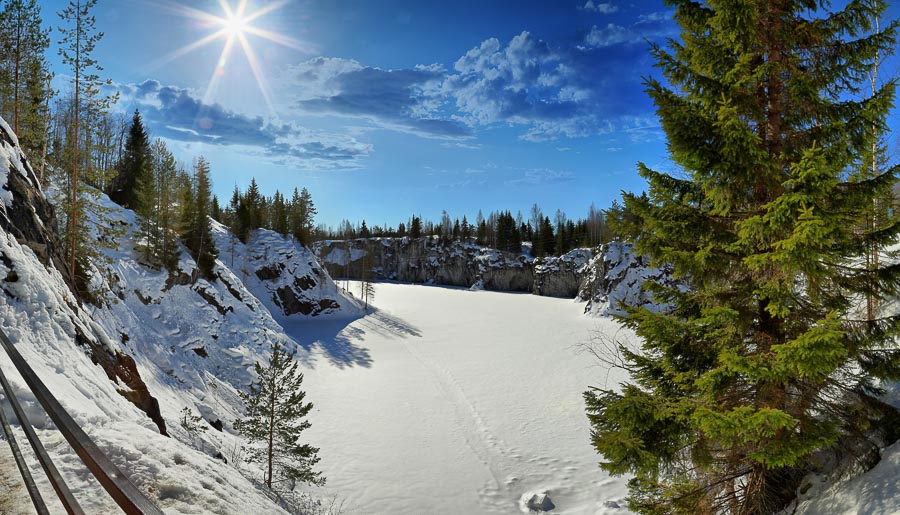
(539,502)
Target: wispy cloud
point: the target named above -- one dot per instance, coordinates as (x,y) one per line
(541,176)
(600,7)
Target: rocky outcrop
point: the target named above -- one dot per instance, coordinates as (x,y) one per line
(607,278)
(563,276)
(427,260)
(282,274)
(26,213)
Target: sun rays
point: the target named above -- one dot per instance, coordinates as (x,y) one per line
(233,27)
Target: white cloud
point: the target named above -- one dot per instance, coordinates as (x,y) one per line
(610,35)
(600,7)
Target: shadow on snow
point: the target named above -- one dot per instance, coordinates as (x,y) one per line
(339,339)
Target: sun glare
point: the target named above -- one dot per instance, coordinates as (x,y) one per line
(234,25)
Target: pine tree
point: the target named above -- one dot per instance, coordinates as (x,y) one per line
(253,202)
(415,228)
(134,167)
(197,234)
(25,88)
(78,41)
(239,216)
(364,230)
(295,216)
(275,419)
(156,201)
(768,357)
(215,210)
(146,193)
(546,238)
(307,217)
(279,214)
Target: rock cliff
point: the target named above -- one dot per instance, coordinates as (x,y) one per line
(604,277)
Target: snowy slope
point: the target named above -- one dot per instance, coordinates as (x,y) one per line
(167,342)
(197,340)
(43,320)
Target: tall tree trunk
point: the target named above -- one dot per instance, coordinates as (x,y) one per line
(17,58)
(46,136)
(271,429)
(872,259)
(74,200)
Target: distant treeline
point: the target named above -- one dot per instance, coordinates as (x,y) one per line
(295,216)
(502,230)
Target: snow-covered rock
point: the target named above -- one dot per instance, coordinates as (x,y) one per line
(616,277)
(607,278)
(283,274)
(562,276)
(539,502)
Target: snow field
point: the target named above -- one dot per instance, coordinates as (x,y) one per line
(466,402)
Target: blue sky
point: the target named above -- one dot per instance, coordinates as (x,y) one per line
(389,108)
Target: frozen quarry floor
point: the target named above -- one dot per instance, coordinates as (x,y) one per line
(453,401)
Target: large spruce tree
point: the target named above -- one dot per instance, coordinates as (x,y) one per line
(769,357)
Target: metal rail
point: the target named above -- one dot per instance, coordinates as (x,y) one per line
(33,492)
(56,480)
(120,488)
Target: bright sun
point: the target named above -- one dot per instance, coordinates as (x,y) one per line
(234,25)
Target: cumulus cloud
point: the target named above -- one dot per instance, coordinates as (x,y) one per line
(548,91)
(178,114)
(407,100)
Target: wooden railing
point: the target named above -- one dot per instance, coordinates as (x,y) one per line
(120,488)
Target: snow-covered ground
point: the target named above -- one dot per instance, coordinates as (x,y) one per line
(447,400)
